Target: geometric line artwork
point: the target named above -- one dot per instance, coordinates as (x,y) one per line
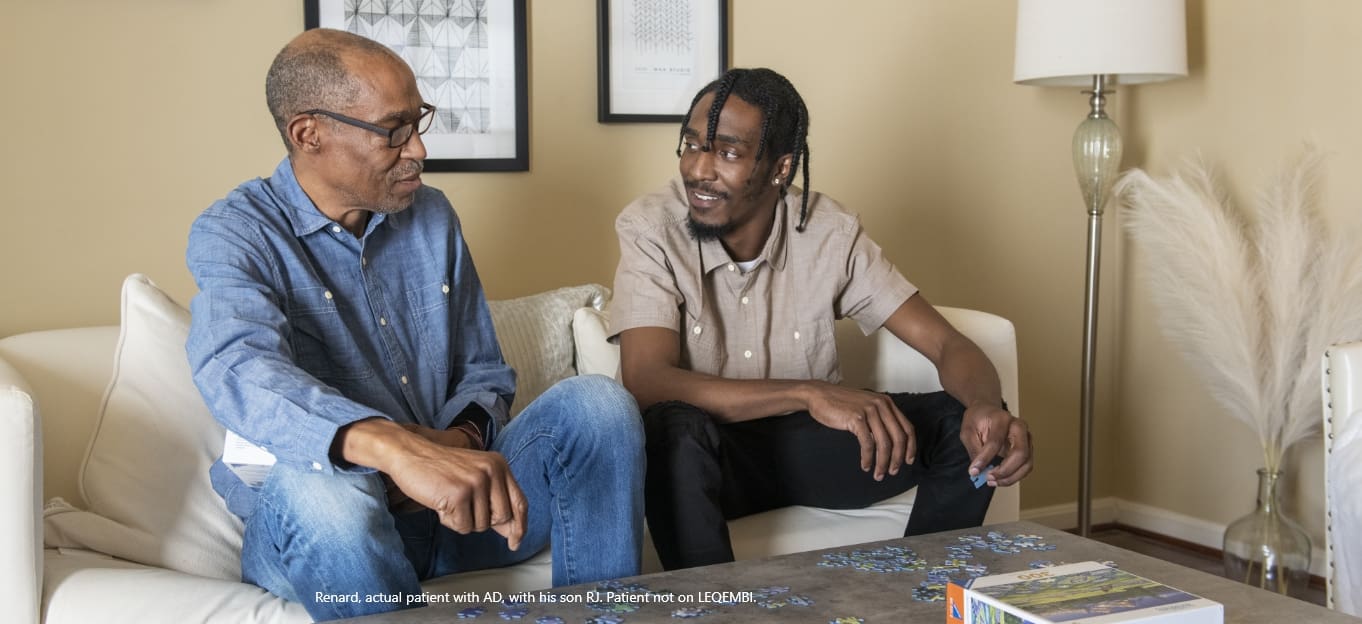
(446,44)
(663,26)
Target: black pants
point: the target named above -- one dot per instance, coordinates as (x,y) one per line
(702,473)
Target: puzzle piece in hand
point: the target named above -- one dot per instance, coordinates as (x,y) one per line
(981,479)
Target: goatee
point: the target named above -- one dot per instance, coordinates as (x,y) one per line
(702,232)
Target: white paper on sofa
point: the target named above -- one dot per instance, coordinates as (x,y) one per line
(250,462)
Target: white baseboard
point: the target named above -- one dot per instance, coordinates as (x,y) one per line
(1065,515)
(1147,518)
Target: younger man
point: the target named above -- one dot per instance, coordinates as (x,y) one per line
(727,288)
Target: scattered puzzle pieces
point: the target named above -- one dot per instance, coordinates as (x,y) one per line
(604,619)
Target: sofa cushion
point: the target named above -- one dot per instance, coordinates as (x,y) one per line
(535,333)
(595,354)
(145,474)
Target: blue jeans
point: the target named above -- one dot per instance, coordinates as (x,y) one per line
(329,542)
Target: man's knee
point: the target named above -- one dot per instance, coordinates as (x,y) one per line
(593,409)
(935,413)
(342,506)
(324,532)
(675,427)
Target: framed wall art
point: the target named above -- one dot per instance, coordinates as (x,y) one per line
(469,57)
(654,55)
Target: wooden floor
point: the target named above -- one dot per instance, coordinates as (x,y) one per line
(1181,553)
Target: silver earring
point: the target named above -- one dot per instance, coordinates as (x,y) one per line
(775,182)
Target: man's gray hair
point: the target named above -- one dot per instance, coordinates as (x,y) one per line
(310,73)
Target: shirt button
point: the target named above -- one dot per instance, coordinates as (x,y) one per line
(731,267)
(796,335)
(444,289)
(363,261)
(747,354)
(336,229)
(744,300)
(327,294)
(697,330)
(382,321)
(404,380)
(316,466)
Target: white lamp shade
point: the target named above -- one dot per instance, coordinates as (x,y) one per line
(1066,42)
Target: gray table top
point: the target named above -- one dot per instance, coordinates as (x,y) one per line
(823,593)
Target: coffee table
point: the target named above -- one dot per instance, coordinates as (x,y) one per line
(836,592)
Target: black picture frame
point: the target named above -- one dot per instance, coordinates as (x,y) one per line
(655,92)
(501,141)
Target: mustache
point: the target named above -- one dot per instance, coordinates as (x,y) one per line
(412,170)
(704,188)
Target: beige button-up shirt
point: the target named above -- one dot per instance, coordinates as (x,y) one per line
(774,321)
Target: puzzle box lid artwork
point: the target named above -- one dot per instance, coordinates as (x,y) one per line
(1077,593)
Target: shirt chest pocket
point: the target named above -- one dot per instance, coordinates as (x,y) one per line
(702,347)
(322,343)
(430,309)
(810,349)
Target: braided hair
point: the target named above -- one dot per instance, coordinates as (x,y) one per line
(784,119)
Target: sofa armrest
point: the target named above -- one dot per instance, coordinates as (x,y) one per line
(1342,402)
(883,362)
(21,539)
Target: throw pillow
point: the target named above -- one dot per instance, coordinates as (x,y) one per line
(595,354)
(145,474)
(535,333)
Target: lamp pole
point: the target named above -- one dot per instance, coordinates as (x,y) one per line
(1097,157)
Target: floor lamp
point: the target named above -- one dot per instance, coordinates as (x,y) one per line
(1075,43)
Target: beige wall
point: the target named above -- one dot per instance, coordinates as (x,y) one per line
(1266,77)
(124,120)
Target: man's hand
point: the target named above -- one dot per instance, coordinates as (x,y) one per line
(453,438)
(471,491)
(988,431)
(886,438)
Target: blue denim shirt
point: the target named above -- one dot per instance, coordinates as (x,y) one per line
(299,328)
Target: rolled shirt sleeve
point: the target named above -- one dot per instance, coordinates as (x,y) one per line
(646,292)
(874,287)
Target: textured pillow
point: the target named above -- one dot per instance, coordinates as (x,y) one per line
(595,354)
(535,334)
(145,474)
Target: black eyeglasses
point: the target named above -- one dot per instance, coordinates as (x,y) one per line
(397,137)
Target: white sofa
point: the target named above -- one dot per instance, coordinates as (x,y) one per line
(1342,402)
(53,395)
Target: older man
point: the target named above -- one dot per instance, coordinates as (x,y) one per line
(341,325)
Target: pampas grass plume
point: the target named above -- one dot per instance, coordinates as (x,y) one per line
(1252,298)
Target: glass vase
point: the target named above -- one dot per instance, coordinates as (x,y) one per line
(1267,549)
